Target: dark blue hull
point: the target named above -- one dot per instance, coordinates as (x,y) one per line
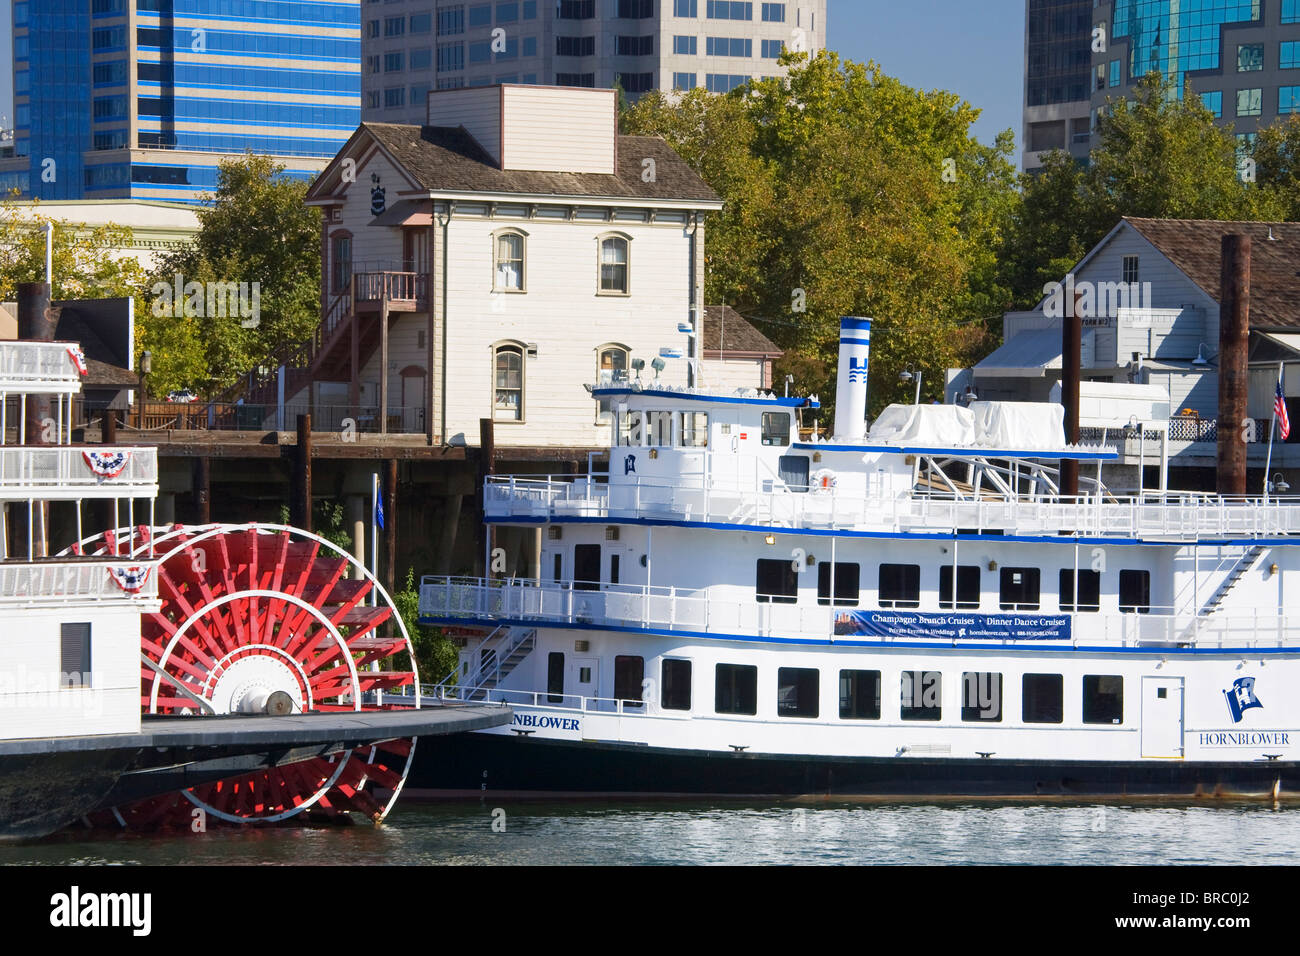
(477,762)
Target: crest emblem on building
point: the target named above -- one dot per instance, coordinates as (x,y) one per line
(378,202)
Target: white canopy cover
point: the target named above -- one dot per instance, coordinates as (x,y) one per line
(1005,426)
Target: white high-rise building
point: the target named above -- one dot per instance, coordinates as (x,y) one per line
(410,47)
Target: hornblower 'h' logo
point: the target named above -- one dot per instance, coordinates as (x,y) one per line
(1242,697)
(857,370)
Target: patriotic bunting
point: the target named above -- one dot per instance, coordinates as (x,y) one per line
(78,358)
(130,578)
(107,464)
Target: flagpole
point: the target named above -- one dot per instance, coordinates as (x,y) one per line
(1272,428)
(374,533)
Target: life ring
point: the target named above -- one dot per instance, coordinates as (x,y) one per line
(824,481)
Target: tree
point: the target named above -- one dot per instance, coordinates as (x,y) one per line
(256,233)
(1159,156)
(1277,158)
(847,193)
(88,263)
(435,655)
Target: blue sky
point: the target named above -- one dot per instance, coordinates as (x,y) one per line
(974,48)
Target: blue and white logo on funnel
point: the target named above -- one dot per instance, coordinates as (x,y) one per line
(1241,697)
(857,369)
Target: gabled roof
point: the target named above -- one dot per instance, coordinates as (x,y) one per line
(443,159)
(1194,247)
(726,330)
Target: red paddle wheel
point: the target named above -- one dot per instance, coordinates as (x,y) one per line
(264,619)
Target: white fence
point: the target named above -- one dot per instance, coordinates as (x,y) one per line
(60,583)
(1169,515)
(38,367)
(63,472)
(657,608)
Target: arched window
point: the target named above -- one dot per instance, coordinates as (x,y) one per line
(340,262)
(508,261)
(611,369)
(613,265)
(508,383)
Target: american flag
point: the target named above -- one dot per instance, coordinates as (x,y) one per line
(1279,409)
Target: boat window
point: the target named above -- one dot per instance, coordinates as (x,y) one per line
(1019,589)
(629,430)
(922,695)
(613,568)
(557,572)
(968,586)
(629,679)
(554,677)
(900,585)
(1041,699)
(694,429)
(793,470)
(776,428)
(776,581)
(1089,590)
(859,695)
(661,428)
(796,691)
(675,694)
(74,655)
(736,689)
(586,567)
(846,583)
(981,696)
(1103,699)
(1135,592)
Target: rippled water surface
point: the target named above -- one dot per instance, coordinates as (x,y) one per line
(515,832)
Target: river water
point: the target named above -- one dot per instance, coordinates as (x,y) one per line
(533,832)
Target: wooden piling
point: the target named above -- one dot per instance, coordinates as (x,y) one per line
(1234,336)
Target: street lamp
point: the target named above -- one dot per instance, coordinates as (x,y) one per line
(1279,485)
(907,374)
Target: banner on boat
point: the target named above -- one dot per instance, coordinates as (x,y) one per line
(953,627)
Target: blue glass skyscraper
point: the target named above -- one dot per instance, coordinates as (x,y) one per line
(1242,57)
(143,98)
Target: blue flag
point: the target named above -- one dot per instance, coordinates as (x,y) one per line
(1242,697)
(379,507)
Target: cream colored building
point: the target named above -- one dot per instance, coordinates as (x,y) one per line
(157,228)
(493,262)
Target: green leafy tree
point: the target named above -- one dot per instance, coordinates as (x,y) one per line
(1158,156)
(1277,158)
(87,261)
(848,193)
(435,654)
(255,229)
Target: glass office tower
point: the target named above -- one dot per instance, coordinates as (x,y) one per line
(142,98)
(1057,66)
(1241,56)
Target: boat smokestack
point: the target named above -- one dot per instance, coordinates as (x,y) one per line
(851,381)
(1234,336)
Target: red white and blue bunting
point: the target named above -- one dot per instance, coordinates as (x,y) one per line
(130,578)
(107,464)
(78,358)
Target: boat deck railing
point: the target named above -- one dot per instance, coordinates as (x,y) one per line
(1157,515)
(42,368)
(639,607)
(66,471)
(58,583)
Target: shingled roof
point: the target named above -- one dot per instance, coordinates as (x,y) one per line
(726,330)
(446,159)
(1193,246)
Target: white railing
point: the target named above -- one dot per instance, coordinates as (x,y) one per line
(569,702)
(770,504)
(40,470)
(694,611)
(60,583)
(38,368)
